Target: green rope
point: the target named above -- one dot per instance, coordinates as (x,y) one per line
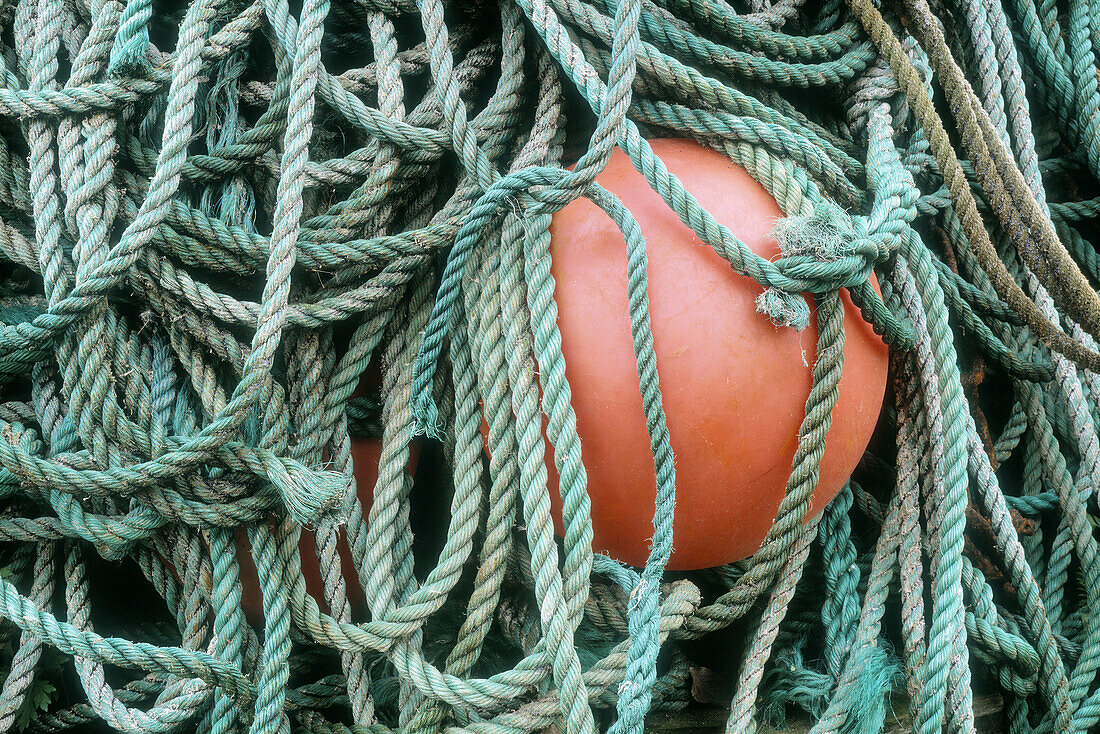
(216,217)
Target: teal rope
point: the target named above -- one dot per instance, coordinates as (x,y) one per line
(643,615)
(132,41)
(216,217)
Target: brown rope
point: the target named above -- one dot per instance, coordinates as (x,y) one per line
(1012,202)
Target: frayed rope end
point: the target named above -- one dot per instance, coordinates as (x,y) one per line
(789,681)
(825,234)
(783,308)
(128,67)
(129,58)
(309,494)
(426,413)
(879,674)
(129,52)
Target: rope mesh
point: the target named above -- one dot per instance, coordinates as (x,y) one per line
(217,218)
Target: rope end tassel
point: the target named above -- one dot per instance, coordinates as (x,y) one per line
(129,53)
(308,494)
(426,413)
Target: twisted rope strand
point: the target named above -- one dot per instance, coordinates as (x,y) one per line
(239,239)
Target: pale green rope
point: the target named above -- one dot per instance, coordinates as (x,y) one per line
(216,216)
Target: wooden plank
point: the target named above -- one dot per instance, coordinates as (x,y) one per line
(988,719)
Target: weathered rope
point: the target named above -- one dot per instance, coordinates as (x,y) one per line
(218,217)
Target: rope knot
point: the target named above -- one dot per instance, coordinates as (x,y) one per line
(822,251)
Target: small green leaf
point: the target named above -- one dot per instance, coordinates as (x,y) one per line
(40,695)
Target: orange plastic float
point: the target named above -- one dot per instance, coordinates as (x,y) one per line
(734,384)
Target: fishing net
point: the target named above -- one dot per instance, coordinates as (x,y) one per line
(216,218)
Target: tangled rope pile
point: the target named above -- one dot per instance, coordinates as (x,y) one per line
(215,217)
